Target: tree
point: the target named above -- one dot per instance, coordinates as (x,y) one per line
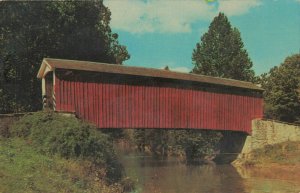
(198,145)
(30,31)
(154,139)
(139,138)
(282,90)
(221,52)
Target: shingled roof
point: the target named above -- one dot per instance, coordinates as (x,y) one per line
(50,64)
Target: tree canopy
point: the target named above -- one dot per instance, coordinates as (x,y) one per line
(30,31)
(221,52)
(282,90)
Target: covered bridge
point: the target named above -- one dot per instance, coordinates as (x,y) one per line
(115,96)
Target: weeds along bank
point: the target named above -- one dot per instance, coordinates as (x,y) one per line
(45,151)
(285,154)
(282,159)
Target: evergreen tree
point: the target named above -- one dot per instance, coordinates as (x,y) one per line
(282,90)
(221,52)
(30,31)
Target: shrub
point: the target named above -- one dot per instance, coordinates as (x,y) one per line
(52,133)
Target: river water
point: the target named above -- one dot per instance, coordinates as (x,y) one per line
(171,176)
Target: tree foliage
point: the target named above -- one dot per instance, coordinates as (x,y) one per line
(221,52)
(196,145)
(157,140)
(282,90)
(30,31)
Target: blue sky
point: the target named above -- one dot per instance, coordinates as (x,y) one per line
(164,32)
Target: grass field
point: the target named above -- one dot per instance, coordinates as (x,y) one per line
(23,169)
(47,152)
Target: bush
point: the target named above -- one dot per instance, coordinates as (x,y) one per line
(52,133)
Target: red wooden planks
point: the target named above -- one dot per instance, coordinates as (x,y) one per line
(122,105)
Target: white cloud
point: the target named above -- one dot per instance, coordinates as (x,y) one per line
(237,7)
(156,15)
(165,16)
(298,1)
(172,67)
(181,69)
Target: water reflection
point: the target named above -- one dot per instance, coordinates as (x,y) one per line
(171,176)
(273,180)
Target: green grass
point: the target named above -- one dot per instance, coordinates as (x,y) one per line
(70,138)
(46,152)
(282,153)
(23,169)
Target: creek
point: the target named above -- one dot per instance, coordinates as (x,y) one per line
(153,175)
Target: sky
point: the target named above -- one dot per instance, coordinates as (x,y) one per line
(161,33)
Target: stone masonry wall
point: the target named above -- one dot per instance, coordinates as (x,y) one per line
(266,132)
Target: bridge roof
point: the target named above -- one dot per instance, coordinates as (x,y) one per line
(50,64)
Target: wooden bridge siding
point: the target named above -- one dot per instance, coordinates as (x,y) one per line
(131,106)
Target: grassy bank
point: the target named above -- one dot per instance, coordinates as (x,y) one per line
(47,152)
(23,169)
(280,161)
(287,153)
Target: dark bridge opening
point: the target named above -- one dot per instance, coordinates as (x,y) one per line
(231,145)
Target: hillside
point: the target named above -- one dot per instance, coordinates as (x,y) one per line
(46,152)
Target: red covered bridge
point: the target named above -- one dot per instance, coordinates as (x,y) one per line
(114,96)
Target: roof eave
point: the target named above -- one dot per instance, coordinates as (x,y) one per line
(44,69)
(50,64)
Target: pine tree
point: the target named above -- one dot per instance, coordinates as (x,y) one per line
(221,52)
